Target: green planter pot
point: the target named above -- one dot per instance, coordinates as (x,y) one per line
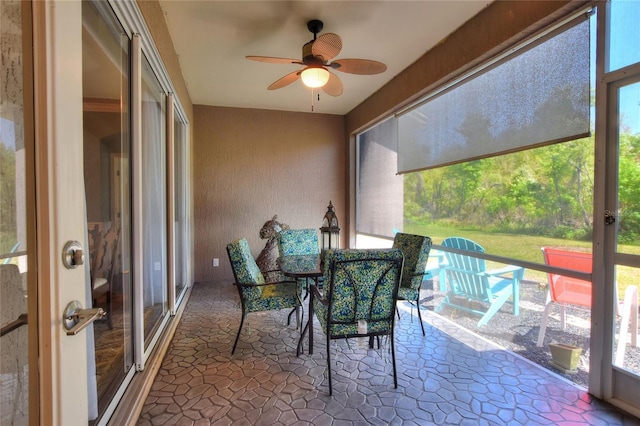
(565,357)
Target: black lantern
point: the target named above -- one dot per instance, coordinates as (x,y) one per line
(330,230)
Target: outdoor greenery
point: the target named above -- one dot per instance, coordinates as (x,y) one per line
(629,188)
(515,204)
(546,191)
(7,198)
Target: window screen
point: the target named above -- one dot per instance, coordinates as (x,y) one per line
(538,97)
(380,189)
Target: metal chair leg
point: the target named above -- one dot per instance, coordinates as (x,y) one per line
(329,364)
(238,335)
(420,315)
(393,360)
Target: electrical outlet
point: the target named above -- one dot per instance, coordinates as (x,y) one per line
(216,262)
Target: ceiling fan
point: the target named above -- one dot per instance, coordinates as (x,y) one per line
(316,56)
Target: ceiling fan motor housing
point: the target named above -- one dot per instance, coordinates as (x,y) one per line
(308,57)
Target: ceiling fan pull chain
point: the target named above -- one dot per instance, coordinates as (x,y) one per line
(318,94)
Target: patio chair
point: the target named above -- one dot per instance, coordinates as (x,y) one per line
(564,289)
(475,289)
(295,242)
(104,253)
(358,299)
(415,249)
(255,294)
(299,242)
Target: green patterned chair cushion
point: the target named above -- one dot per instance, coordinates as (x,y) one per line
(280,296)
(255,295)
(415,249)
(294,242)
(359,285)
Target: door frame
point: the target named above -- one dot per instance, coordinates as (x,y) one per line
(57,47)
(30,191)
(622,384)
(605,380)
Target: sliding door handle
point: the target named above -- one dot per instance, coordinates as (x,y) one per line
(14,325)
(76,319)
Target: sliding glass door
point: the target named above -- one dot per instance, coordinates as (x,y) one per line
(18,299)
(181,206)
(96,187)
(105,59)
(126,174)
(152,197)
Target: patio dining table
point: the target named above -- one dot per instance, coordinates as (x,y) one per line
(299,267)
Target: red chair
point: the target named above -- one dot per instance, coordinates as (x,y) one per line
(563,289)
(574,291)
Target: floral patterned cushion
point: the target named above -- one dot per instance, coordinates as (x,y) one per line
(280,296)
(293,242)
(362,285)
(256,297)
(415,249)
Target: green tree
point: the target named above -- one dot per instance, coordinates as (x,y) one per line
(547,191)
(7,198)
(629,189)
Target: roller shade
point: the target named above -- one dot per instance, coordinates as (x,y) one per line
(537,97)
(380,189)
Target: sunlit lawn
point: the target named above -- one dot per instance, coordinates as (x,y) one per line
(523,247)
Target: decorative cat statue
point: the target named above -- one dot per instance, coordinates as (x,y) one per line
(267,258)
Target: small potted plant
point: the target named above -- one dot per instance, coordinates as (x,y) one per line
(566,357)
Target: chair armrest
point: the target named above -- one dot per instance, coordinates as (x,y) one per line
(466,271)
(516,270)
(316,294)
(422,274)
(264,284)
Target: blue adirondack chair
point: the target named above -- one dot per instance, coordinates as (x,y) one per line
(13,250)
(472,287)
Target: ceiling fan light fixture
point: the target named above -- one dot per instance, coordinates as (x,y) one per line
(314,76)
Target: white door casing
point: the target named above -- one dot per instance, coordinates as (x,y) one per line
(60,206)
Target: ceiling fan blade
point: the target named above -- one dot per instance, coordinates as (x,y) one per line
(327,46)
(358,66)
(333,86)
(285,81)
(273,60)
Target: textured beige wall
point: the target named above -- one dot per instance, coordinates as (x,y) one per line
(250,165)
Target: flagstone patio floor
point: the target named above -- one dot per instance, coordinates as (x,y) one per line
(448,377)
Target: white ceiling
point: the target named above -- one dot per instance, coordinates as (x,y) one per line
(212,39)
